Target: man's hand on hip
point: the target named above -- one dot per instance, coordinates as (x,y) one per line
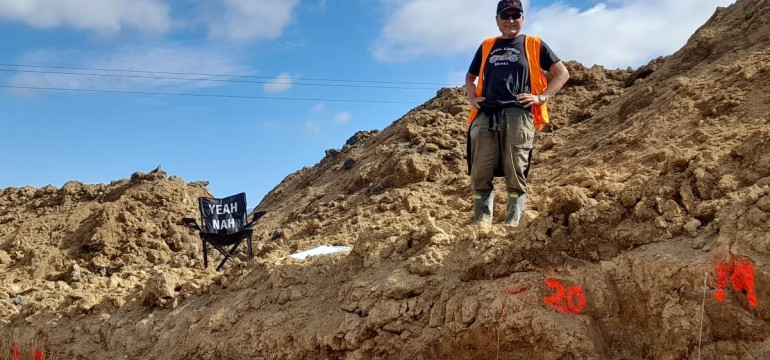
(528,100)
(476,101)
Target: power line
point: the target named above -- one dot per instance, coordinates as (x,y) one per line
(212,80)
(226,75)
(204,95)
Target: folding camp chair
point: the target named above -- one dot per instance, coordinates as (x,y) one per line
(223,224)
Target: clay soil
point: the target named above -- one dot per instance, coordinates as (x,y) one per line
(648,184)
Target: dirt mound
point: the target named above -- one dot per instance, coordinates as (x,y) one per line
(648,183)
(86,248)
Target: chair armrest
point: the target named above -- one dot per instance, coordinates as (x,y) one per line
(190,223)
(256,217)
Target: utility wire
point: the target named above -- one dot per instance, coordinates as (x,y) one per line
(225,75)
(212,80)
(204,95)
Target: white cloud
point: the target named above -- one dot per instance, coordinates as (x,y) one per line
(245,20)
(26,84)
(274,125)
(321,6)
(104,16)
(313,128)
(618,33)
(420,28)
(158,61)
(628,34)
(457,78)
(281,83)
(318,108)
(342,117)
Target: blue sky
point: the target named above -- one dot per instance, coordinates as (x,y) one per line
(263,86)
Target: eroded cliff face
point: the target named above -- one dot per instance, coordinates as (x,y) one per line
(649,183)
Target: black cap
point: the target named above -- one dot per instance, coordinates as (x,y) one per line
(505,5)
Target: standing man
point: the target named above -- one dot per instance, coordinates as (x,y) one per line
(508,104)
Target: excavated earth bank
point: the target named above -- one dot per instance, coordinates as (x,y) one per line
(648,182)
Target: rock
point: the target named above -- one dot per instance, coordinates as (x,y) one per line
(456,109)
(349,164)
(332,153)
(430,147)
(5,259)
(159,289)
(401,284)
(691,227)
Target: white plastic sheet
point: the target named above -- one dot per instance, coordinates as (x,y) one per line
(321,250)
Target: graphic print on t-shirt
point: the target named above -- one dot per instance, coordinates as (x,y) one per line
(506,56)
(509,55)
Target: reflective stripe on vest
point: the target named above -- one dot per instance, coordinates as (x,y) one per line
(537,80)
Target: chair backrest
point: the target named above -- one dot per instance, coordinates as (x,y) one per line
(223,216)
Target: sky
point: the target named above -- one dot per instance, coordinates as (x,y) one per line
(242,93)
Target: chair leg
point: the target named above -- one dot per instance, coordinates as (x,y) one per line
(223,249)
(205,254)
(234,248)
(249,246)
(227,254)
(221,264)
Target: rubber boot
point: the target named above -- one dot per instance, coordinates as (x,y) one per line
(483,202)
(515,208)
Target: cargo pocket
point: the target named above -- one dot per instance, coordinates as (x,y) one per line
(523,135)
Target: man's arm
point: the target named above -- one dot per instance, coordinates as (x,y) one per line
(470,90)
(560,75)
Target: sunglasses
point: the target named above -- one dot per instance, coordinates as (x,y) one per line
(509,16)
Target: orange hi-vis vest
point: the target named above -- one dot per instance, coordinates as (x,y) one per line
(537,80)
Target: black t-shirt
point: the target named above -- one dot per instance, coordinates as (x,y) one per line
(507,71)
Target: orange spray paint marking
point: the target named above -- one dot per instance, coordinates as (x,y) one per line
(743,281)
(15,352)
(740,275)
(571,301)
(505,310)
(510,290)
(576,291)
(38,355)
(513,290)
(723,274)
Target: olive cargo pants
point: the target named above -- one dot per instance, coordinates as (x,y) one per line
(511,146)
